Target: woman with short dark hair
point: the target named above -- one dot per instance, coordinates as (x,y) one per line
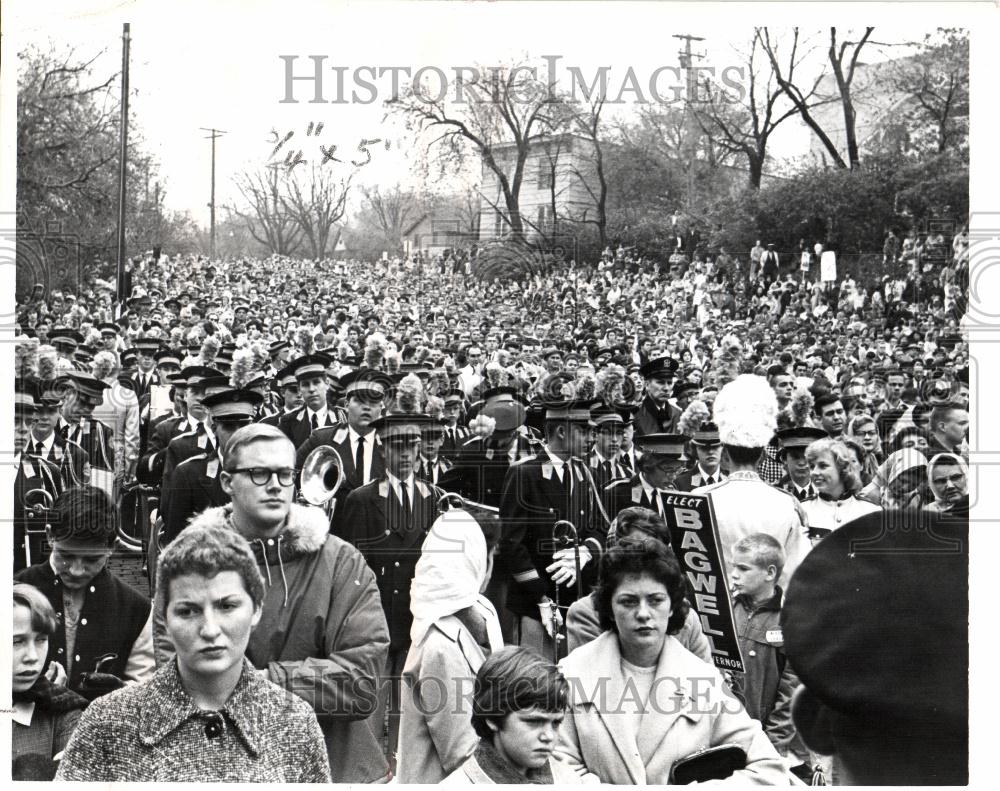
(208,715)
(634,709)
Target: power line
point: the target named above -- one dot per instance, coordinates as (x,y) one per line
(215,133)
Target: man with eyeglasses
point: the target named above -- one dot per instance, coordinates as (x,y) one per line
(322,633)
(81,394)
(387,521)
(104,637)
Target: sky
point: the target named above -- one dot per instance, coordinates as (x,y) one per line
(219,65)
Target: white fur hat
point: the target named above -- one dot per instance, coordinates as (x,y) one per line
(746,412)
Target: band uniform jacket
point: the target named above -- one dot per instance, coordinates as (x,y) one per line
(806,493)
(479,471)
(150,469)
(71,459)
(32,473)
(297,426)
(629,493)
(142,389)
(96,440)
(653,419)
(433,471)
(194,486)
(455,438)
(184,446)
(338,437)
(691,478)
(533,500)
(275,419)
(372,520)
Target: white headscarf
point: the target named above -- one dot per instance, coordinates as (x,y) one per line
(451,571)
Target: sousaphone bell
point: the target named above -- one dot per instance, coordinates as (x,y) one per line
(322,475)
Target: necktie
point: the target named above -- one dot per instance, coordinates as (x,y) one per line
(315,421)
(658,498)
(709,480)
(359,459)
(34,449)
(405,499)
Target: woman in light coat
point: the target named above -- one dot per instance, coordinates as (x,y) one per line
(836,475)
(639,701)
(454,629)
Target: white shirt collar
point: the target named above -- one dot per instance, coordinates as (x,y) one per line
(395,482)
(355,436)
(22,712)
(319,413)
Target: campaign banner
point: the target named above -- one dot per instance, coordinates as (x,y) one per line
(828,266)
(159,401)
(694,535)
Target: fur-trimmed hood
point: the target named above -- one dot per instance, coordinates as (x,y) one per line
(305,533)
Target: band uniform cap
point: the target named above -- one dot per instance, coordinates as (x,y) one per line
(706,435)
(65,335)
(108,327)
(147,344)
(684,387)
(661,365)
(392,419)
(276,347)
(662,444)
(285,377)
(194,374)
(88,385)
(574,411)
(233,404)
(505,406)
(455,394)
(168,357)
(310,365)
(24,399)
(366,381)
(258,380)
(799,437)
(605,415)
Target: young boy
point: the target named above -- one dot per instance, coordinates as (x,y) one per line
(104,638)
(517,707)
(767,685)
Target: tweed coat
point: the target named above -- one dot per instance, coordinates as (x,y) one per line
(322,634)
(154,732)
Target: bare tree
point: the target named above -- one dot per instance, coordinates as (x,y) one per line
(744,126)
(844,79)
(502,117)
(798,97)
(586,121)
(316,202)
(391,211)
(265,214)
(937,78)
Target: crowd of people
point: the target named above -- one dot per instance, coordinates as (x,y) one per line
(405,523)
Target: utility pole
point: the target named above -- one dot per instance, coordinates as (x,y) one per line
(214,134)
(691,134)
(123,165)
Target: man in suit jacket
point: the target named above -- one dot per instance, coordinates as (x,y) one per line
(47,443)
(794,441)
(288,386)
(706,469)
(455,435)
(479,472)
(656,414)
(82,394)
(201,437)
(196,482)
(310,373)
(432,465)
(537,493)
(604,460)
(147,375)
(661,462)
(34,471)
(387,521)
(356,443)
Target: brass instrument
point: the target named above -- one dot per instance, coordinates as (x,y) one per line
(322,475)
(38,505)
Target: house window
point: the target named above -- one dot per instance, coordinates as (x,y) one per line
(545,178)
(497,224)
(541,217)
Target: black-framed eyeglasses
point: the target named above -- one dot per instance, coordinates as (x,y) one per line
(262,475)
